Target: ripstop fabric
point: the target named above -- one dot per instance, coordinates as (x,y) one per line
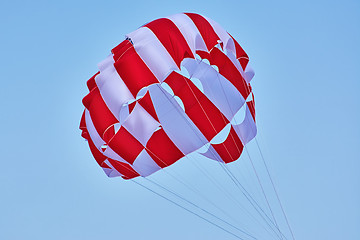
(172,87)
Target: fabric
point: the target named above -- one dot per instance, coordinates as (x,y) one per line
(143,113)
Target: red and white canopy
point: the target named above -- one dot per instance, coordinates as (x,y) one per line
(175,85)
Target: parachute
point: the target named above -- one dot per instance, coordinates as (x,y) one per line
(172,87)
(175,86)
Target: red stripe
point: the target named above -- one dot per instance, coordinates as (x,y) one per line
(100,114)
(119,50)
(82,121)
(126,145)
(229,71)
(99,157)
(147,104)
(205,29)
(104,165)
(203,54)
(241,54)
(134,72)
(91,84)
(171,38)
(85,134)
(108,134)
(251,106)
(205,115)
(124,169)
(132,106)
(230,150)
(82,126)
(162,150)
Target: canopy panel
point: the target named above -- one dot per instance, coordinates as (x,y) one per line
(173,86)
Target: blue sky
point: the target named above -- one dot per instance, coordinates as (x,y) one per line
(306,58)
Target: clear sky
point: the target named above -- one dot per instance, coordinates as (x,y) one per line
(307,83)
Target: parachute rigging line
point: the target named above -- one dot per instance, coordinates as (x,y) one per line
(232,177)
(237,183)
(273,185)
(196,191)
(262,189)
(141,115)
(202,209)
(250,199)
(224,167)
(186,209)
(188,201)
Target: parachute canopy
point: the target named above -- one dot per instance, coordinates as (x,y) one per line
(174,86)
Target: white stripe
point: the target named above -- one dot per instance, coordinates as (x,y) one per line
(177,125)
(94,135)
(190,32)
(195,41)
(220,137)
(145,165)
(211,153)
(113,155)
(108,61)
(229,45)
(249,72)
(98,141)
(223,34)
(247,129)
(153,53)
(112,88)
(220,91)
(217,140)
(141,124)
(111,172)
